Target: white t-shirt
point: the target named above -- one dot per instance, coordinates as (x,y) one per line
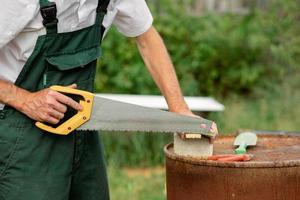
(21,24)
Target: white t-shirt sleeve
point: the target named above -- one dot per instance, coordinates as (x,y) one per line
(133,17)
(14,16)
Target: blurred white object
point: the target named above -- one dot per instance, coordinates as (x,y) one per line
(202,104)
(192,147)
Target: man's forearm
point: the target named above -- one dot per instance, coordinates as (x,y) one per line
(160,66)
(11,95)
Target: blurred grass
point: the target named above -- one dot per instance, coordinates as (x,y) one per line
(272,108)
(137,184)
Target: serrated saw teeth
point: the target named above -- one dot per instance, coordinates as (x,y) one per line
(109,115)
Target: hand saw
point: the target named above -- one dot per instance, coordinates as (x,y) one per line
(104,114)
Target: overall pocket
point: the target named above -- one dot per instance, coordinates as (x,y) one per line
(72,67)
(10,138)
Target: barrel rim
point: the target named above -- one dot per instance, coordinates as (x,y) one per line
(252,164)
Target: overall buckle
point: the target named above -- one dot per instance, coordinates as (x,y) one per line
(49,14)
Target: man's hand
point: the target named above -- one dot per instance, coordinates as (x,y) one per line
(47,105)
(43,106)
(213,128)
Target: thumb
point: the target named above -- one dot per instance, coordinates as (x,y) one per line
(214,129)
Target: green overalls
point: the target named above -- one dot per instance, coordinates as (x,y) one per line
(35,165)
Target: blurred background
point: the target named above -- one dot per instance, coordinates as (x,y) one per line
(245,54)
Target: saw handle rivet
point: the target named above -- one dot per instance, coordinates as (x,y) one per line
(88,101)
(84,118)
(69,128)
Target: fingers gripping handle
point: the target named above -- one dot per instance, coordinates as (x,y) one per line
(77,120)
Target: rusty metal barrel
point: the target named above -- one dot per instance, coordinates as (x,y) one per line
(272,174)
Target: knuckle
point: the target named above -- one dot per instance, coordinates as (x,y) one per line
(64,108)
(50,101)
(69,101)
(203,125)
(74,104)
(44,117)
(51,92)
(48,111)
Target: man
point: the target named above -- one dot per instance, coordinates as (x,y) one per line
(39,48)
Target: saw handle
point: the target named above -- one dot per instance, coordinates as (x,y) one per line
(242,148)
(86,101)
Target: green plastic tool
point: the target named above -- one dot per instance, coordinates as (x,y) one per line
(243,140)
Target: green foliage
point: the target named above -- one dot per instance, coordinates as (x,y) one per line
(250,62)
(218,59)
(122,70)
(213,54)
(268,111)
(137,184)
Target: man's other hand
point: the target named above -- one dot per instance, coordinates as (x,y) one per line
(213,128)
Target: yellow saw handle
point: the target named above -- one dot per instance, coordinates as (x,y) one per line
(77,120)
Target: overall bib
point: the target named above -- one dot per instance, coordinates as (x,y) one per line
(36,165)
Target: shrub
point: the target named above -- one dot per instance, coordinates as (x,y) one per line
(221,55)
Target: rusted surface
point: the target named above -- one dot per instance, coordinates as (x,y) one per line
(273,174)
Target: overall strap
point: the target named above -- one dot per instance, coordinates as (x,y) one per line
(49,13)
(102,6)
(101,11)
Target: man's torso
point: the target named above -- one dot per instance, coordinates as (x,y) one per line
(72,15)
(131,17)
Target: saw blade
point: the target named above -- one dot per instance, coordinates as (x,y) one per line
(111,115)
